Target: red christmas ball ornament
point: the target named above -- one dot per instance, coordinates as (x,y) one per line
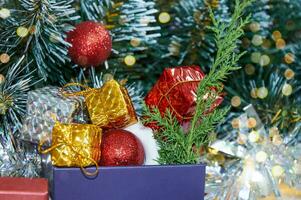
(121,148)
(91,44)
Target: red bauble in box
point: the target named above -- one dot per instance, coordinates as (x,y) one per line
(91,44)
(121,148)
(176,90)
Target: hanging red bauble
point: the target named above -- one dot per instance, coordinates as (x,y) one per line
(121,148)
(91,44)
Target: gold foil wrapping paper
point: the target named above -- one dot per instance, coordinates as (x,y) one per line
(75,145)
(109,106)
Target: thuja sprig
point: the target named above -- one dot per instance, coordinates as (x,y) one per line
(226,36)
(177,147)
(171,138)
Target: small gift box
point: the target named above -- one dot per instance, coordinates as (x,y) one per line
(176,90)
(42,105)
(23,189)
(178,182)
(109,106)
(75,145)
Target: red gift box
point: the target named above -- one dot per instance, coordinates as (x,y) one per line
(23,188)
(176,90)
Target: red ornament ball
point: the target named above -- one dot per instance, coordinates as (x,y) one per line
(91,44)
(121,148)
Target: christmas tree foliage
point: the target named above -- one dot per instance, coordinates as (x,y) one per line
(185,39)
(36,29)
(270,77)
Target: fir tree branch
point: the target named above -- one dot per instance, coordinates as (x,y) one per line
(44,24)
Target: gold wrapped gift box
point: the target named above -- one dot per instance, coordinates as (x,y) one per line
(109,106)
(75,145)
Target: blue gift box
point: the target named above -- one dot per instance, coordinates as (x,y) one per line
(162,182)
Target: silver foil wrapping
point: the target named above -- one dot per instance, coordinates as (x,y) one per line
(44,107)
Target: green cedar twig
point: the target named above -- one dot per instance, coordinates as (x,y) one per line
(225,62)
(177,147)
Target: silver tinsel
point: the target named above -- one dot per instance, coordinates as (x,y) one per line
(266,163)
(18,158)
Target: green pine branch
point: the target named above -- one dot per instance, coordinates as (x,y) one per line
(44,24)
(177,147)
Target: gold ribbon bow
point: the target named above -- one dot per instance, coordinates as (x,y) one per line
(75,145)
(109,106)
